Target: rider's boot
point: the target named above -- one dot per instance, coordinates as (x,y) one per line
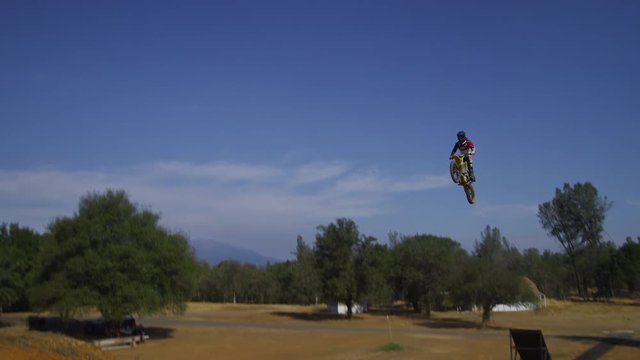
(471,176)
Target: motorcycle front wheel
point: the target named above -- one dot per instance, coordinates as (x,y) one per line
(471,193)
(454,171)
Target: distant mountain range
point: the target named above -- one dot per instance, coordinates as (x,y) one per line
(214,252)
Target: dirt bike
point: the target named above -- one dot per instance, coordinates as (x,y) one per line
(460,175)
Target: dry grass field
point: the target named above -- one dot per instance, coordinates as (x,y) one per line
(572,330)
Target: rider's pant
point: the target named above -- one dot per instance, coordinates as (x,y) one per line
(469,161)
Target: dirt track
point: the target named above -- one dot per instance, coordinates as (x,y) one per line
(582,331)
(572,331)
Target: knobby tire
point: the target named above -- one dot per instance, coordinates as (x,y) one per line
(470,192)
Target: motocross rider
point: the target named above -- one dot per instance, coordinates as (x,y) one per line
(467,149)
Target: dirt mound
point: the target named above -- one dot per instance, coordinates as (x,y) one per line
(532,286)
(20,343)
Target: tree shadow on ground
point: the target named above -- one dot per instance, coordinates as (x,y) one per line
(5,324)
(625,299)
(79,329)
(398,311)
(434,322)
(602,346)
(315,316)
(159,333)
(395,310)
(454,323)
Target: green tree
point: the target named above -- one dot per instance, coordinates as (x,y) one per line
(605,270)
(575,217)
(335,261)
(547,271)
(305,282)
(261,283)
(629,259)
(229,278)
(9,277)
(114,257)
(282,285)
(486,279)
(373,269)
(427,264)
(18,249)
(205,285)
(533,267)
(559,275)
(248,275)
(231,281)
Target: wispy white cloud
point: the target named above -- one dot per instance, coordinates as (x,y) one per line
(216,171)
(420,183)
(244,202)
(316,172)
(375,183)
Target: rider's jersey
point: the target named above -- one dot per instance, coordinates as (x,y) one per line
(466,147)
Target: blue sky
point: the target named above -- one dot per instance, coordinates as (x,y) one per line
(252,122)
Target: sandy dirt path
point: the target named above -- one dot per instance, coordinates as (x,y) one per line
(220,332)
(223,331)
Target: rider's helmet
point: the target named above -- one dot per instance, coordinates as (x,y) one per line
(461,135)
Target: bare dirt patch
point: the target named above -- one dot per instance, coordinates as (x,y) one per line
(225,331)
(19,343)
(572,331)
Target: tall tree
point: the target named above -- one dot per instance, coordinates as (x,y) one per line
(229,278)
(605,271)
(18,249)
(9,276)
(306,282)
(373,268)
(486,279)
(114,257)
(283,278)
(205,289)
(575,217)
(548,271)
(334,254)
(427,265)
(629,259)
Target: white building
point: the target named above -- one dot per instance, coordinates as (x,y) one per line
(340,308)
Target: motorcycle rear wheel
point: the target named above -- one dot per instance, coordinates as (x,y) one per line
(470,192)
